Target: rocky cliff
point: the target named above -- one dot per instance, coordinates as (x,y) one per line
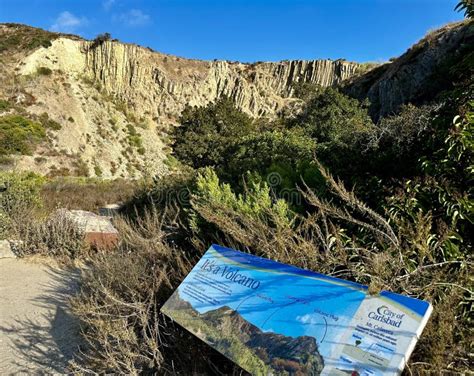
(163,84)
(440,61)
(115,102)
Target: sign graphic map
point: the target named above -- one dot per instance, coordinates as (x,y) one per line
(275,319)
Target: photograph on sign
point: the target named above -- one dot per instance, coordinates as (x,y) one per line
(275,319)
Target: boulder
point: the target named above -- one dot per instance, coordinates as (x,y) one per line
(110,210)
(98,230)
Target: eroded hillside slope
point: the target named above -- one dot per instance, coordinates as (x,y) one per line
(115,102)
(442,60)
(107,107)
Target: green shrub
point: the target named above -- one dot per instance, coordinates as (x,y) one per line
(97,170)
(6,160)
(49,123)
(19,135)
(286,152)
(135,141)
(330,116)
(44,71)
(255,202)
(22,191)
(4,105)
(206,133)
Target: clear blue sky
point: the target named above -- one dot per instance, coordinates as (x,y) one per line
(251,30)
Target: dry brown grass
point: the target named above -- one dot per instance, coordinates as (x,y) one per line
(390,255)
(53,236)
(123,290)
(85,194)
(119,304)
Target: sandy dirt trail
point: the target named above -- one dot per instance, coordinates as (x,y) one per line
(37,334)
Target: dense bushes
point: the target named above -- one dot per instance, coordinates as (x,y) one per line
(206,133)
(417,242)
(444,190)
(330,116)
(342,237)
(119,303)
(19,193)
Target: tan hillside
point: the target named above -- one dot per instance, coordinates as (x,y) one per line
(115,102)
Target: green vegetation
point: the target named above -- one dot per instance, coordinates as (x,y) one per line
(97,170)
(19,135)
(331,117)
(21,190)
(4,105)
(134,139)
(24,37)
(49,123)
(207,133)
(466,6)
(44,71)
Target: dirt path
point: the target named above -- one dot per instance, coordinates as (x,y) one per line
(37,334)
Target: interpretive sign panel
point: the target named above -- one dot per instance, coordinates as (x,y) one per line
(275,319)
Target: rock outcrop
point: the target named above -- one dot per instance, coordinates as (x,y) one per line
(163,84)
(98,230)
(432,65)
(116,102)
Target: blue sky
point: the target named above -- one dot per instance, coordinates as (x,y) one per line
(251,30)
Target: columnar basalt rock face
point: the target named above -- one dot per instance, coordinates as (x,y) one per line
(163,84)
(108,95)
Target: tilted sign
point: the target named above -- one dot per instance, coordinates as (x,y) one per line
(275,319)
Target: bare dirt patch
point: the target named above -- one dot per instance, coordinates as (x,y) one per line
(37,333)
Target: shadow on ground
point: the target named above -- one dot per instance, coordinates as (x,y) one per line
(38,333)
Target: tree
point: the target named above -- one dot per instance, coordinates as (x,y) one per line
(282,156)
(100,39)
(466,6)
(331,116)
(206,133)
